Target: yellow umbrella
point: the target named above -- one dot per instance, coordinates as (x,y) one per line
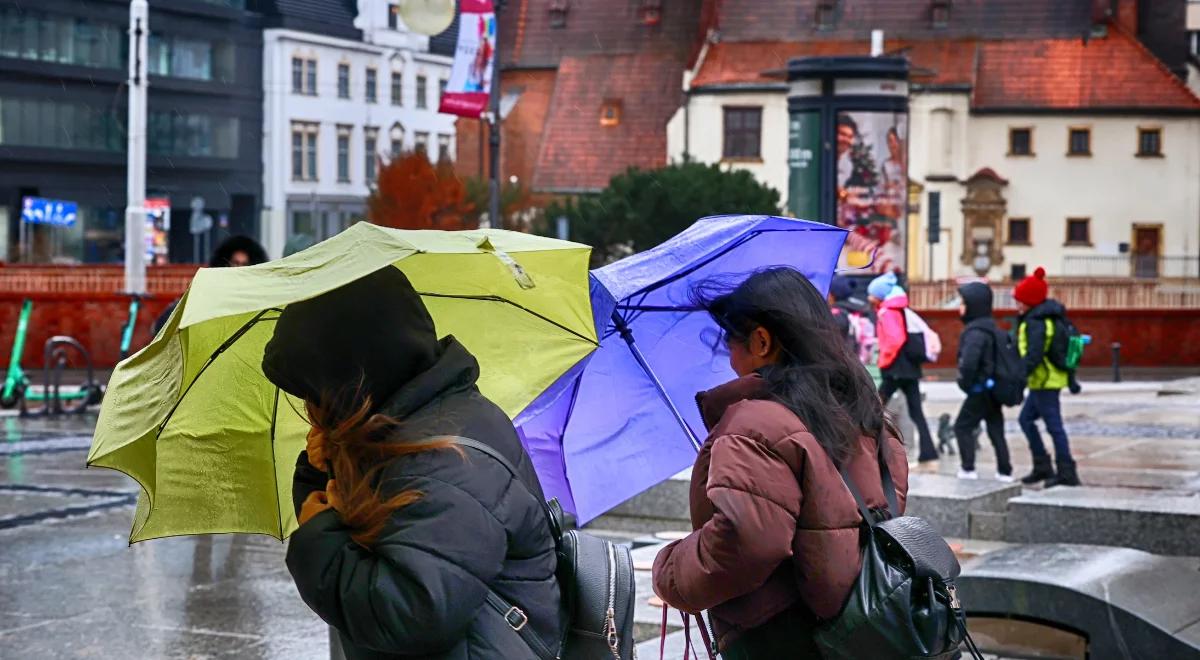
(213,443)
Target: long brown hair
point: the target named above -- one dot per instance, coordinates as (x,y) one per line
(358,446)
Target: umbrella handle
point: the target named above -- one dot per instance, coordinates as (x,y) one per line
(627,334)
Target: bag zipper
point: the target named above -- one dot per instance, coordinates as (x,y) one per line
(610,621)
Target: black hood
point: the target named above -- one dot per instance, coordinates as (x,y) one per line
(369,337)
(1049,308)
(977,298)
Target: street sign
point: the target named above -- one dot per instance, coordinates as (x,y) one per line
(42,211)
(201,222)
(935,217)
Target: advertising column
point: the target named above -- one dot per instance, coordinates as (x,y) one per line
(848,153)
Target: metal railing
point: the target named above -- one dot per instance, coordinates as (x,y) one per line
(1074,292)
(169,281)
(1132,265)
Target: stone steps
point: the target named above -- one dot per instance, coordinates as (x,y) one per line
(1159,522)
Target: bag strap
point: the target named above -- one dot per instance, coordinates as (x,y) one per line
(889,486)
(516,619)
(514,616)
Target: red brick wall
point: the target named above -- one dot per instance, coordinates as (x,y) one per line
(1148,337)
(82,302)
(96,320)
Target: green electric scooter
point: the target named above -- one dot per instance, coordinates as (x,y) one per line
(54,397)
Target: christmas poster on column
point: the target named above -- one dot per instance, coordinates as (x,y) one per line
(872,188)
(471,78)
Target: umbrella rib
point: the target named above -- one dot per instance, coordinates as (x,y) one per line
(627,335)
(274,463)
(494,298)
(212,358)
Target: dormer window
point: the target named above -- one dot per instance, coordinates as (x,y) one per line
(940,13)
(610,112)
(826,18)
(651,12)
(558,13)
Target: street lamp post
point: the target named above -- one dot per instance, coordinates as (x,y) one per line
(495,219)
(135,209)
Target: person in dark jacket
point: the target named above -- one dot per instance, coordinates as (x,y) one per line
(1035,331)
(776,541)
(976,367)
(400,548)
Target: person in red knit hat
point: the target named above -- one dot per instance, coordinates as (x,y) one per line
(1041,317)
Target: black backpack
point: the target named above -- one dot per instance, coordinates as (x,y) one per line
(904,604)
(598,588)
(1009,376)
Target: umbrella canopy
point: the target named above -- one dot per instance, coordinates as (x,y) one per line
(213,443)
(624,420)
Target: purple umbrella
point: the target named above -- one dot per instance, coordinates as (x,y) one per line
(611,428)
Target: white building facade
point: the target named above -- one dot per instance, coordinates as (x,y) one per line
(335,109)
(1094,190)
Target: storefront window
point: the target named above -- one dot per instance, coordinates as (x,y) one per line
(95,237)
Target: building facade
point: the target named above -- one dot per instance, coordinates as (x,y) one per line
(1053,137)
(63,110)
(345,87)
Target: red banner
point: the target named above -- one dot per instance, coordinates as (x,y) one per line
(470,81)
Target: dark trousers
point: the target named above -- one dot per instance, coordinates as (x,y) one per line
(911,388)
(981,407)
(1045,405)
(788,635)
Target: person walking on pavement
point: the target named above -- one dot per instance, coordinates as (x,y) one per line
(1034,333)
(852,314)
(402,536)
(976,369)
(900,357)
(776,540)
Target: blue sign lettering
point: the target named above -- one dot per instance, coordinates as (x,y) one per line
(42,211)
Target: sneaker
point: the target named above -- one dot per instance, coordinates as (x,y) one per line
(1005,478)
(968,474)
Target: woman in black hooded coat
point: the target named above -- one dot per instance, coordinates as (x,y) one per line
(383,395)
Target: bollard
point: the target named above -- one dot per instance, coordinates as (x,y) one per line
(1116,361)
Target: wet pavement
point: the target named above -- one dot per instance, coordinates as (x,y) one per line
(72,587)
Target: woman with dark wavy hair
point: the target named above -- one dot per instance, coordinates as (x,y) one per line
(776,543)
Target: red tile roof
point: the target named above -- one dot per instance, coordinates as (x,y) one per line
(593,27)
(1114,72)
(1109,73)
(944,62)
(577,152)
(795,20)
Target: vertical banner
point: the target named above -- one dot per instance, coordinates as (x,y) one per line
(872,188)
(470,82)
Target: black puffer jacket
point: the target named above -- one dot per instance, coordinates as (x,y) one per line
(977,344)
(419,593)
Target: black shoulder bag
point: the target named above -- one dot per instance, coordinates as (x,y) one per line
(598,588)
(904,604)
